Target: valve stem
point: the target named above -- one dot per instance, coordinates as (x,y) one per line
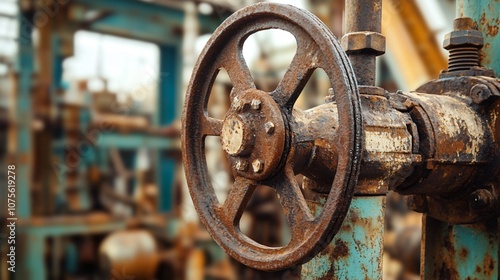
(463,44)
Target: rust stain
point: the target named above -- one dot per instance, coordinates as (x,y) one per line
(482,19)
(365,271)
(448,245)
(491,30)
(464,253)
(483,54)
(446,273)
(354,217)
(488,265)
(340,250)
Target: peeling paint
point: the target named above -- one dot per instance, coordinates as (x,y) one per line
(386,142)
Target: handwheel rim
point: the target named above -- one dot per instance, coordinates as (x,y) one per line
(322,229)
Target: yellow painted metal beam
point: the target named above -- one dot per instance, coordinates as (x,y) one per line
(411,43)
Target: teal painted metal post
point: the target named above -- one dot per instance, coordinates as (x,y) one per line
(486,14)
(167,112)
(58,164)
(24,69)
(31,260)
(460,251)
(356,251)
(29,265)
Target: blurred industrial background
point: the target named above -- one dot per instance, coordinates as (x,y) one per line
(91,93)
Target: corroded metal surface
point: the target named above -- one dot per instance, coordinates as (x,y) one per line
(458,143)
(253,135)
(458,128)
(486,16)
(439,144)
(390,149)
(463,43)
(363,27)
(317,48)
(459,251)
(356,251)
(451,251)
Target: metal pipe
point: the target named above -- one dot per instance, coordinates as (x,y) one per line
(359,243)
(363,15)
(485,14)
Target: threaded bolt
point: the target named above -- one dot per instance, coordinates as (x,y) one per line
(463,43)
(463,58)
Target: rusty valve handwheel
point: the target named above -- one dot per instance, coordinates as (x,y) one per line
(257,140)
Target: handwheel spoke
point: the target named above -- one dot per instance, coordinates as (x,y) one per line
(302,66)
(293,202)
(237,68)
(237,199)
(211,126)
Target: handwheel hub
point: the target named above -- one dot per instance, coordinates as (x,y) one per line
(253,135)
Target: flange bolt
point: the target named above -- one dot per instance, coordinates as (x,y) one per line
(255,104)
(269,126)
(258,166)
(481,200)
(241,165)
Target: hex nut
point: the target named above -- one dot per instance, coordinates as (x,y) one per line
(257,166)
(462,38)
(364,41)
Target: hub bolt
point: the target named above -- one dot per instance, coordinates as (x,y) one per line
(255,104)
(258,166)
(241,165)
(269,127)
